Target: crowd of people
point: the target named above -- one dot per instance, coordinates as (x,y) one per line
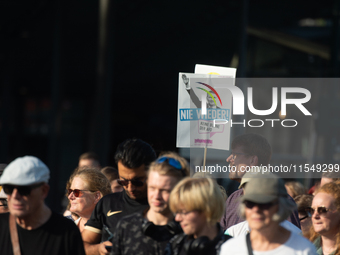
(150,205)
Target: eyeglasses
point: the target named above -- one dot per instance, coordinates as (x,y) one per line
(233,154)
(76,192)
(301,219)
(264,206)
(172,162)
(320,209)
(137,183)
(23,190)
(3,202)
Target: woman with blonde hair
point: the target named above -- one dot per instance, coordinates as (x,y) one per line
(198,205)
(325,213)
(84,189)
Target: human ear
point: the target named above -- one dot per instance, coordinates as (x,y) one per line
(98,196)
(45,189)
(254,161)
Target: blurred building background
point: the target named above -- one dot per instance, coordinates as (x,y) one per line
(82,76)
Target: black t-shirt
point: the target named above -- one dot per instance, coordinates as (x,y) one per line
(130,238)
(110,209)
(58,236)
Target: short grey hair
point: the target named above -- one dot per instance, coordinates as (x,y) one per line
(286,207)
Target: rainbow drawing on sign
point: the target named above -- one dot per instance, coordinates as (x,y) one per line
(213,90)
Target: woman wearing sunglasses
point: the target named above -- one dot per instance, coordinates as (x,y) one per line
(198,204)
(85,189)
(325,213)
(265,205)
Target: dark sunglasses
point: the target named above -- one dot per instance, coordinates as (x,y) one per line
(137,183)
(320,209)
(23,190)
(76,192)
(265,206)
(172,162)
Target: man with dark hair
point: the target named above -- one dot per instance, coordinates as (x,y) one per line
(248,150)
(89,159)
(31,227)
(133,157)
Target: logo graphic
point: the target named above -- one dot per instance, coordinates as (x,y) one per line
(209,93)
(109,213)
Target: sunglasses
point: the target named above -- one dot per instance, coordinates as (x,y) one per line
(172,162)
(264,206)
(320,209)
(137,183)
(22,190)
(76,192)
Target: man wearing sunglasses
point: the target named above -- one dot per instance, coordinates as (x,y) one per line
(133,157)
(30,225)
(248,150)
(242,228)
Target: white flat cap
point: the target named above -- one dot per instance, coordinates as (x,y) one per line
(25,171)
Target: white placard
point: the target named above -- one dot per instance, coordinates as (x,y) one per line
(194,128)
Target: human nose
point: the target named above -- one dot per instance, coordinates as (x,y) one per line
(131,187)
(15,193)
(158,194)
(71,196)
(314,213)
(178,217)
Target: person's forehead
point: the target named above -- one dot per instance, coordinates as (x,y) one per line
(131,173)
(78,183)
(323,199)
(158,180)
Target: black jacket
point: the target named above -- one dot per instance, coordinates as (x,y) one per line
(182,244)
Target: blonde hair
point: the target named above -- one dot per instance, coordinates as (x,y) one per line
(94,180)
(164,168)
(201,194)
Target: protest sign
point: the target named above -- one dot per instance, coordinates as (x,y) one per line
(202,99)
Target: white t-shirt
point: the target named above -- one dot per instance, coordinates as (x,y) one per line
(295,245)
(242,228)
